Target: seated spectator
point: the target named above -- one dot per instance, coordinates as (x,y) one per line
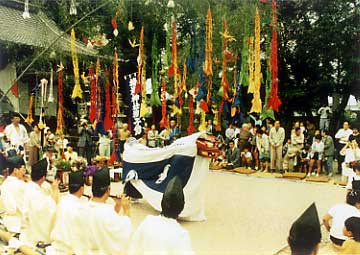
(355,135)
(164,137)
(246,157)
(232,156)
(305,158)
(286,147)
(70,154)
(143,140)
(244,137)
(263,146)
(352,231)
(297,143)
(316,155)
(354,179)
(338,214)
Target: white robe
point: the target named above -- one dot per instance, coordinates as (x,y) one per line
(12,197)
(109,231)
(158,235)
(69,235)
(39,215)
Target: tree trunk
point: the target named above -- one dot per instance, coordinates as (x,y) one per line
(338,110)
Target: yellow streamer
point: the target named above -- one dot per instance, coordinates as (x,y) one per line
(77,91)
(202,126)
(208,68)
(256,102)
(251,87)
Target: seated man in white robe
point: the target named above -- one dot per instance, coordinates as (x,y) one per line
(163,234)
(69,235)
(12,194)
(109,231)
(305,233)
(39,207)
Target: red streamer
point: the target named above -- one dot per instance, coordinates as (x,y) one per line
(164,122)
(274,101)
(191,128)
(92,111)
(108,122)
(60,118)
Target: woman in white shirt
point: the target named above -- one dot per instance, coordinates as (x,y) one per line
(338,214)
(316,154)
(351,151)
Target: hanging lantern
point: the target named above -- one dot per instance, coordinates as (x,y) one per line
(51,90)
(171,4)
(26,13)
(131,26)
(73,10)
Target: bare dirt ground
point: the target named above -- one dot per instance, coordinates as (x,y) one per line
(251,214)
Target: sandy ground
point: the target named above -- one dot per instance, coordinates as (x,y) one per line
(250,214)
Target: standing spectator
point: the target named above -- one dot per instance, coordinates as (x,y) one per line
(254,148)
(153,137)
(324,112)
(85,143)
(165,137)
(34,145)
(303,128)
(342,137)
(328,152)
(174,131)
(355,135)
(316,155)
(16,133)
(124,134)
(276,137)
(268,125)
(310,131)
(104,143)
(351,153)
(297,143)
(230,133)
(233,156)
(61,144)
(263,146)
(244,137)
(210,127)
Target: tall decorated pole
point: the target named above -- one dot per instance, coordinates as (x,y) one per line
(164,123)
(274,101)
(208,67)
(98,90)
(155,99)
(115,109)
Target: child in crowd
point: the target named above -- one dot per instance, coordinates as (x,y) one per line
(305,158)
(263,146)
(316,154)
(246,157)
(352,231)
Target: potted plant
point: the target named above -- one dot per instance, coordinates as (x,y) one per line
(63,167)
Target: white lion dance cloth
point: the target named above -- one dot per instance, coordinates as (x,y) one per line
(150,169)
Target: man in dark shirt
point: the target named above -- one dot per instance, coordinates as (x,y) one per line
(355,135)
